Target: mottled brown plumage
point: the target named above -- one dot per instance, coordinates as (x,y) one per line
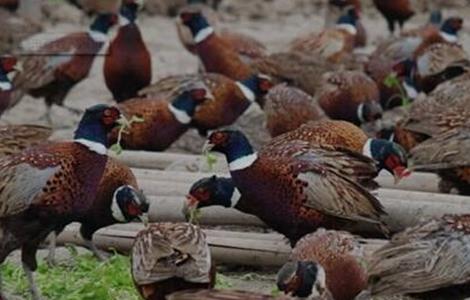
(171,257)
(287,108)
(15,30)
(349,95)
(296,69)
(15,138)
(332,44)
(341,256)
(439,62)
(447,155)
(446,108)
(429,257)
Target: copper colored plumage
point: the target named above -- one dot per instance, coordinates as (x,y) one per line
(247,47)
(328,132)
(310,186)
(349,95)
(171,257)
(395,11)
(163,122)
(128,65)
(59,65)
(341,255)
(216,54)
(287,108)
(430,258)
(228,103)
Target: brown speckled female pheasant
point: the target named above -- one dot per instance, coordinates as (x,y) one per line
(290,177)
(163,121)
(16,138)
(287,108)
(41,191)
(171,257)
(349,95)
(429,260)
(230,98)
(333,44)
(447,155)
(445,109)
(342,258)
(439,62)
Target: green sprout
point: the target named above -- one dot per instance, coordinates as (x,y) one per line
(392,81)
(194,216)
(124,125)
(211,160)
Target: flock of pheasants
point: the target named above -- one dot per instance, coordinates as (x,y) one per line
(317,171)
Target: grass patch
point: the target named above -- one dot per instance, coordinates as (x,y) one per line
(83,279)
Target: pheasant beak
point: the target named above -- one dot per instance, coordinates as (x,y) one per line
(399,173)
(208,146)
(144,218)
(190,208)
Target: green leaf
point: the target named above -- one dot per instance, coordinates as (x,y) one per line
(392,80)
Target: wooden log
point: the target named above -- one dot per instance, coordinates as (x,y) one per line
(402,212)
(424,182)
(170,209)
(227,247)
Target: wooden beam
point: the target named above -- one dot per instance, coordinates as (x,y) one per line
(227,247)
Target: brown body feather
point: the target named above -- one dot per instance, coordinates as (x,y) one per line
(168,258)
(340,255)
(287,108)
(428,257)
(128,65)
(15,138)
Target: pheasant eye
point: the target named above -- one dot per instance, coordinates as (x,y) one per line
(186,17)
(265,85)
(218,138)
(8,63)
(198,94)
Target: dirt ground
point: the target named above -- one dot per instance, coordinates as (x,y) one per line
(169,57)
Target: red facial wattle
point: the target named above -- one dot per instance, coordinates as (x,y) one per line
(133,210)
